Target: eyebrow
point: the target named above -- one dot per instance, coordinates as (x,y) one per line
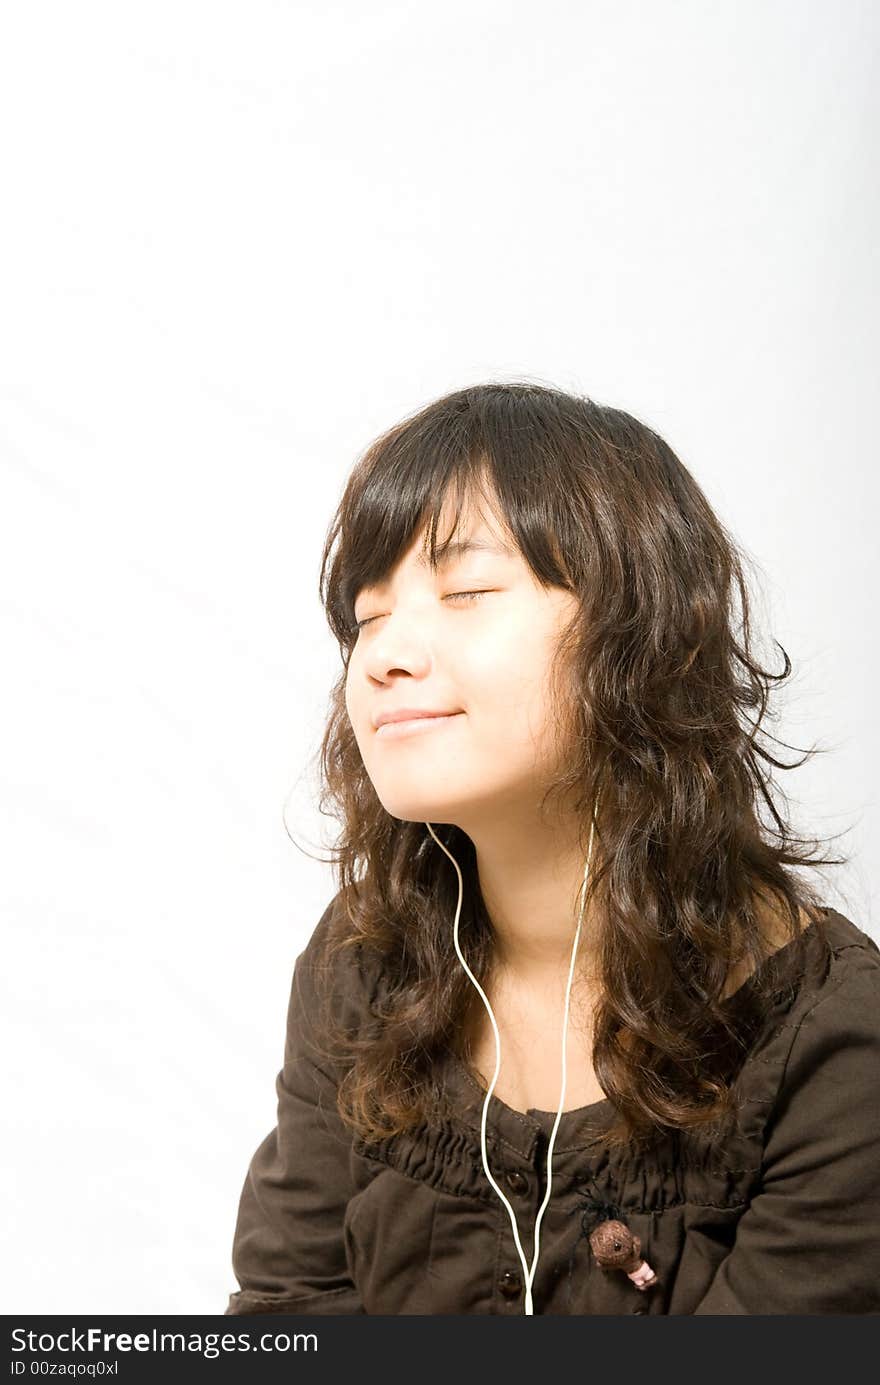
(455,550)
(462,546)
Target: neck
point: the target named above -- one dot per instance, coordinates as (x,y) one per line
(531,882)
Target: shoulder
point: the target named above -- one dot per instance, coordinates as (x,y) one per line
(823,1033)
(843,935)
(844,1000)
(335,974)
(837,967)
(844,967)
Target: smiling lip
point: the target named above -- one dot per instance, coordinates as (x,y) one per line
(420,724)
(410,714)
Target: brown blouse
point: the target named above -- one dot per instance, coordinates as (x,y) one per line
(783,1216)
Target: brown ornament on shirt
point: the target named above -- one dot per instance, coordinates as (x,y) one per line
(615,1247)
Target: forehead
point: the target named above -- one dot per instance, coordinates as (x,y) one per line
(476,526)
(472,510)
(478,540)
(466,538)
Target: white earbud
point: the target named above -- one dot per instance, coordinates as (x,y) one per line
(529,1273)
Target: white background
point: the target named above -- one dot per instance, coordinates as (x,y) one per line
(237,242)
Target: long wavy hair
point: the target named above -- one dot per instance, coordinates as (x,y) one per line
(660,701)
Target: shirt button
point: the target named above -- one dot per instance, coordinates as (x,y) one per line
(517,1181)
(510,1284)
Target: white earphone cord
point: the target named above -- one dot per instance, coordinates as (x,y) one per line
(529,1273)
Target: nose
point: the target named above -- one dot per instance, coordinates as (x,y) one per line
(398,649)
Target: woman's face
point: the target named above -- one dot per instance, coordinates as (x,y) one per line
(484,660)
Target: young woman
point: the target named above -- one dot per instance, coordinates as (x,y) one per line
(576,1034)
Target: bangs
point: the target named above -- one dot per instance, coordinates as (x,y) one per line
(455,463)
(390,516)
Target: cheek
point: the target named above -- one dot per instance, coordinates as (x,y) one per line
(493,672)
(355,703)
(543,689)
(504,682)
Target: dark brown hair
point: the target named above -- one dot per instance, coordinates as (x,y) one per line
(661,701)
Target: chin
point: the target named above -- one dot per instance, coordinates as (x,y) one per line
(410,810)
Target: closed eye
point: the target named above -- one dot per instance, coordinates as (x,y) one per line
(453,596)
